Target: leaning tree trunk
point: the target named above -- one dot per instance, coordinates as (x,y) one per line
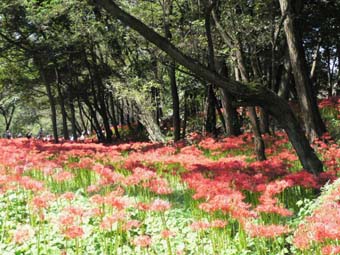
(258,95)
(146,119)
(314,126)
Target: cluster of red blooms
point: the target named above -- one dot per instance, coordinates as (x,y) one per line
(202,225)
(323,226)
(219,185)
(331,102)
(269,203)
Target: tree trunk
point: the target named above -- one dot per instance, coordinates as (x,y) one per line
(286,78)
(146,119)
(85,127)
(175,102)
(314,126)
(62,108)
(275,105)
(167,11)
(128,122)
(230,115)
(47,81)
(210,113)
(315,61)
(185,117)
(94,120)
(8,120)
(263,123)
(258,141)
(337,86)
(121,113)
(113,117)
(73,120)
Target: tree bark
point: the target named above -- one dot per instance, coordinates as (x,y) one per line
(167,11)
(275,105)
(113,117)
(313,124)
(146,119)
(53,111)
(230,115)
(73,120)
(258,141)
(47,82)
(62,106)
(186,112)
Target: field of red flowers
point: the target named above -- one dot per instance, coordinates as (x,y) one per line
(204,196)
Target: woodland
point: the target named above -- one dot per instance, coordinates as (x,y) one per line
(169,127)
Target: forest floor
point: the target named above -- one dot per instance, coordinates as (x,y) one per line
(203,196)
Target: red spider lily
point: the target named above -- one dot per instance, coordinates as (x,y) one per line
(266,231)
(131,224)
(142,206)
(74,210)
(166,233)
(268,203)
(68,196)
(98,199)
(66,219)
(93,188)
(142,241)
(199,225)
(86,163)
(30,184)
(43,200)
(191,150)
(108,221)
(63,176)
(330,250)
(303,179)
(218,223)
(232,204)
(159,205)
(159,186)
(23,233)
(72,232)
(117,202)
(323,225)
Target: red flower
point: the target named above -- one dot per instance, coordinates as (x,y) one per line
(72,232)
(199,225)
(142,241)
(63,176)
(166,233)
(330,250)
(159,205)
(267,231)
(23,233)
